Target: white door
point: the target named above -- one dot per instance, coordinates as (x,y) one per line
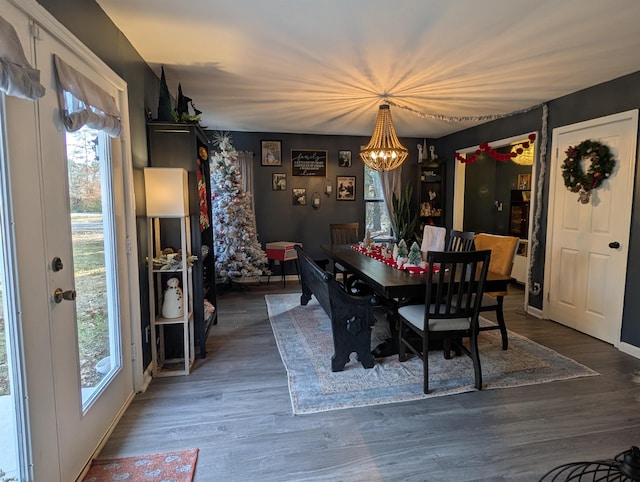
(585,269)
(86,252)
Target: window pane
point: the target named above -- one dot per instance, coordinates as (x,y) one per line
(376,219)
(372,185)
(93,260)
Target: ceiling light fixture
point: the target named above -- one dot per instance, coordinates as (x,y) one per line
(384,151)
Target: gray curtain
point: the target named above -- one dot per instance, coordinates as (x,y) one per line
(245,163)
(17,77)
(391,183)
(85,103)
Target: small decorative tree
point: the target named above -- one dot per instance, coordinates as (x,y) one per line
(414,254)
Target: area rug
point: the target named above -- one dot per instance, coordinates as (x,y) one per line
(177,466)
(303,336)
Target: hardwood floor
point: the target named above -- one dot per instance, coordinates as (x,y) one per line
(235,408)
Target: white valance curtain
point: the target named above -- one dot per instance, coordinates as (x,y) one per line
(85,103)
(17,77)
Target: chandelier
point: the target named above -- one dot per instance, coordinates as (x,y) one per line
(384,151)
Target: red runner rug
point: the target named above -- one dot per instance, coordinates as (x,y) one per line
(177,466)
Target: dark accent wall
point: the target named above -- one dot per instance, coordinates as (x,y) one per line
(279,220)
(487,182)
(611,97)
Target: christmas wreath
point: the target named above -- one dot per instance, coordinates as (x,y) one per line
(600,162)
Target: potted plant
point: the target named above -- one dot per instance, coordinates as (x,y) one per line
(405,223)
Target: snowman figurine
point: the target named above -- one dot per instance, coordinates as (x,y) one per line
(172,306)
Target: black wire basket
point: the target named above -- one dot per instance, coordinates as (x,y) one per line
(624,467)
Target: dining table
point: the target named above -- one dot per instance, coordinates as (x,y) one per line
(388,281)
(391,284)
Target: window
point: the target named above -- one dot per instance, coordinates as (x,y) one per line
(377,220)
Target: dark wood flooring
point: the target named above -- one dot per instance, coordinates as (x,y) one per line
(235,408)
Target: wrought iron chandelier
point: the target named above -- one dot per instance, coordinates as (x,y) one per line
(384,151)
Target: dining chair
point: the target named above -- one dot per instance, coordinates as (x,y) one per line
(343,233)
(460,240)
(450,310)
(433,238)
(503,250)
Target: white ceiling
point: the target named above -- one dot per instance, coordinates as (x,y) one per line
(324,66)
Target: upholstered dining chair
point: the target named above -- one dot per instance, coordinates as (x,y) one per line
(450,310)
(433,238)
(503,251)
(343,233)
(460,240)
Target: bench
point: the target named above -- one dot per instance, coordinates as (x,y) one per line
(351,317)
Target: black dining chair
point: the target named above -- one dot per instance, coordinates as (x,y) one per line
(343,233)
(460,240)
(451,308)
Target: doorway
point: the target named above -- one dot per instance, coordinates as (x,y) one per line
(493,192)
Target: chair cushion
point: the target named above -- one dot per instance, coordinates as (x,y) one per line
(414,314)
(503,250)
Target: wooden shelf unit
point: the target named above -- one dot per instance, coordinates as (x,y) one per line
(162,365)
(432,194)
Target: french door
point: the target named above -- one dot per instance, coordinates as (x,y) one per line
(72,220)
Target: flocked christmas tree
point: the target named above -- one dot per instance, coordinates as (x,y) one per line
(237,249)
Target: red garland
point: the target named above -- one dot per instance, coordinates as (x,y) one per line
(498,156)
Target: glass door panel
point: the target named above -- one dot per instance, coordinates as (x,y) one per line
(94,260)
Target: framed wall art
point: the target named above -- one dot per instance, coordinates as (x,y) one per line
(308,162)
(271,153)
(279,181)
(299,196)
(524,181)
(344,158)
(346,188)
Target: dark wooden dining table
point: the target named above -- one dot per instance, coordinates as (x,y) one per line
(390,282)
(392,285)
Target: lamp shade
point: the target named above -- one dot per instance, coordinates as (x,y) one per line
(384,151)
(167,194)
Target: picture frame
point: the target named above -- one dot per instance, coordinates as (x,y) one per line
(271,153)
(524,182)
(344,158)
(299,196)
(346,188)
(279,181)
(309,162)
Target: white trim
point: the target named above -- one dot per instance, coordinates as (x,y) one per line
(632,350)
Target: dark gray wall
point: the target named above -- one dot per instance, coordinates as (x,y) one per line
(488,181)
(618,95)
(278,220)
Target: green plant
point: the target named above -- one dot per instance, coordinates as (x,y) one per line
(405,223)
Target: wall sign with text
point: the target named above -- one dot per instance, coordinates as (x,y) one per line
(308,162)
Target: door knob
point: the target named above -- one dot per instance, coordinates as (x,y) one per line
(614,245)
(59,295)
